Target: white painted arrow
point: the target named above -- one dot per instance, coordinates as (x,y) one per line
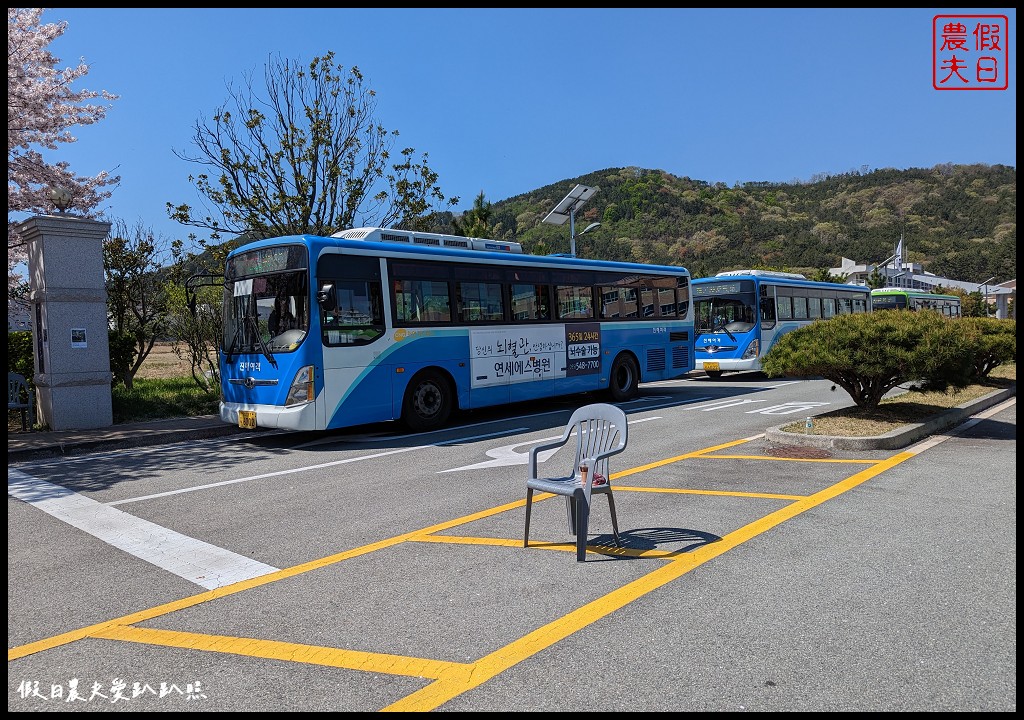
(508,454)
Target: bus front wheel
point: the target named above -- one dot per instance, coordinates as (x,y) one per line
(428,402)
(624,383)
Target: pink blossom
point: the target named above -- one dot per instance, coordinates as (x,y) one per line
(42,109)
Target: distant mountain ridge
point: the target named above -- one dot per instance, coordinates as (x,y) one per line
(958,221)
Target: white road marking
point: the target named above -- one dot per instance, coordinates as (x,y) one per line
(201,563)
(731,402)
(789,408)
(508,455)
(305,468)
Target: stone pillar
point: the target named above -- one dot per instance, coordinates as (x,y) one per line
(69,321)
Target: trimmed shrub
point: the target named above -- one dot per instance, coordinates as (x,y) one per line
(998,343)
(869,354)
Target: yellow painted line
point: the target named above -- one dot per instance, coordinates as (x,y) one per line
(677,458)
(287,652)
(726,493)
(464,540)
(453,679)
(217,593)
(447,687)
(541,545)
(771,458)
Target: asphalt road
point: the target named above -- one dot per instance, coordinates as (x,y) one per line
(368,570)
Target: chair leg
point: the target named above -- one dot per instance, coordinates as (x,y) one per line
(570,511)
(615,520)
(582,521)
(529,506)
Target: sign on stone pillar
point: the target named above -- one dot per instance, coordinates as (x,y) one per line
(69,321)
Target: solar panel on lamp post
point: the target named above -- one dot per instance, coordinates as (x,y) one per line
(566,210)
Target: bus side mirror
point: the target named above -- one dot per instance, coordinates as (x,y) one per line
(325,296)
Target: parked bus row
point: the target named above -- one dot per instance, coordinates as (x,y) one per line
(375,324)
(741,313)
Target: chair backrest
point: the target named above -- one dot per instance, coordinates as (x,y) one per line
(599,428)
(17,390)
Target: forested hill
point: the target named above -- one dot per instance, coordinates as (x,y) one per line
(958,221)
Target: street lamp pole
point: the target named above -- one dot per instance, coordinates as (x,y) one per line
(984,295)
(588,228)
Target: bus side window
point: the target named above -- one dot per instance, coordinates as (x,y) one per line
(799,308)
(814,308)
(828,307)
(785,307)
(683,298)
(529,301)
(478,301)
(575,302)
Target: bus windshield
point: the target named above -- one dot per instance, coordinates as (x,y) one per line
(727,307)
(266,312)
(888,302)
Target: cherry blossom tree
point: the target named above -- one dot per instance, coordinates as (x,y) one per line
(42,108)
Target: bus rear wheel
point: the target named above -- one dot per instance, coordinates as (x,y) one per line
(624,383)
(428,402)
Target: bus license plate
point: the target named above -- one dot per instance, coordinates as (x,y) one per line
(708,366)
(247,419)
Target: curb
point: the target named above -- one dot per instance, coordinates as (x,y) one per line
(894,439)
(209,427)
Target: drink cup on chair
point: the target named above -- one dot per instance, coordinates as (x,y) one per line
(584,472)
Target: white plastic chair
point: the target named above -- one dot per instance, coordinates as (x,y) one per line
(21,397)
(600,432)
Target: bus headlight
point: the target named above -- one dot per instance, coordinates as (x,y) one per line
(301,390)
(751,352)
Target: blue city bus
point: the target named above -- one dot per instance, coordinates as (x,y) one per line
(903,299)
(739,314)
(375,324)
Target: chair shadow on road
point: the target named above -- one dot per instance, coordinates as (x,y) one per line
(665,541)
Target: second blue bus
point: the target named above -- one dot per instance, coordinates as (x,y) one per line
(739,314)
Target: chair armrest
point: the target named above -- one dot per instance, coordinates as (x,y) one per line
(537,449)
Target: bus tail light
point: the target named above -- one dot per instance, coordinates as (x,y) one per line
(751,352)
(301,390)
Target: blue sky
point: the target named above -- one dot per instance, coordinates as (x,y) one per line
(509,100)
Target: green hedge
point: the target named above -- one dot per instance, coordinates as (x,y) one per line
(20,355)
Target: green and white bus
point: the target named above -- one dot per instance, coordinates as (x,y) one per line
(901,299)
